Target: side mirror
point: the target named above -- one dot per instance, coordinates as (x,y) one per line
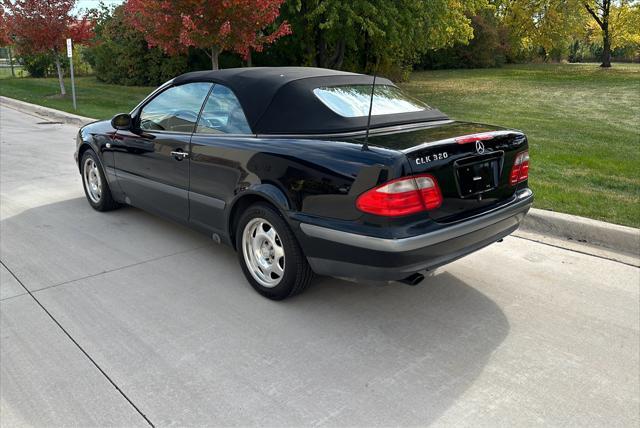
(122,121)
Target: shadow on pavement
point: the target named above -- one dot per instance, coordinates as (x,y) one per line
(67,240)
(192,344)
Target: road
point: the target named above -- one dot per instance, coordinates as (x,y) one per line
(125,319)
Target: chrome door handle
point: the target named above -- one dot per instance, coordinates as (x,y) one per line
(179,155)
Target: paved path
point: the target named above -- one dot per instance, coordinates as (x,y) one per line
(109,317)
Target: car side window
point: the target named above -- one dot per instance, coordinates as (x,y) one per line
(223,114)
(175,109)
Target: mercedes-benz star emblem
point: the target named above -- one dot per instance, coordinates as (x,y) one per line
(479,147)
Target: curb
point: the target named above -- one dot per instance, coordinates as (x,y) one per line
(569,227)
(45,112)
(563,226)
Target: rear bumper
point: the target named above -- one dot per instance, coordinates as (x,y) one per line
(337,253)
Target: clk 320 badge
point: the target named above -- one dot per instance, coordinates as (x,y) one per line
(431,158)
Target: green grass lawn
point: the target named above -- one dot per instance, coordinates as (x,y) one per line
(583,124)
(582,121)
(6,71)
(94,99)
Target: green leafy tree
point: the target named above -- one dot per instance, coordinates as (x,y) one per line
(548,25)
(619,24)
(119,53)
(487,48)
(357,34)
(554,26)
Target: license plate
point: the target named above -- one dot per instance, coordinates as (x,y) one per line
(476,177)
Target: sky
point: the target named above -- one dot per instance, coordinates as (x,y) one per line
(88,4)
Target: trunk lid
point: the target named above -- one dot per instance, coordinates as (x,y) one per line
(470,161)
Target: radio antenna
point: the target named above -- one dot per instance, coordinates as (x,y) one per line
(365,146)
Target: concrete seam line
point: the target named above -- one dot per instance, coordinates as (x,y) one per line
(564,226)
(86,354)
(4,299)
(151,260)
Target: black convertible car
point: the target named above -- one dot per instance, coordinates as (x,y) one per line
(278,163)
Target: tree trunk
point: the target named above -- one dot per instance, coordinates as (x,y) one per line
(321,51)
(13,73)
(338,55)
(367,48)
(249,60)
(606,48)
(60,78)
(215,54)
(600,14)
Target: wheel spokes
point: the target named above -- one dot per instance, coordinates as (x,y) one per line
(276,268)
(263,252)
(278,252)
(93,181)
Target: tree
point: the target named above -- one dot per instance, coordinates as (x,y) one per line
(487,48)
(119,53)
(618,23)
(212,25)
(41,26)
(600,11)
(5,39)
(357,34)
(545,25)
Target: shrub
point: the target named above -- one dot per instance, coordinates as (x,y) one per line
(121,55)
(38,65)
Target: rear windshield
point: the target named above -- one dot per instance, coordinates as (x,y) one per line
(353,100)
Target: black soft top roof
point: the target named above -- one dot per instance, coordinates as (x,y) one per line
(280,100)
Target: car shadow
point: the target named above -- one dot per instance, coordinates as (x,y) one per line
(358,354)
(428,343)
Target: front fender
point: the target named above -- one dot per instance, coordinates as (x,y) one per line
(83,146)
(96,137)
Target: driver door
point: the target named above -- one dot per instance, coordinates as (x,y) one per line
(151,160)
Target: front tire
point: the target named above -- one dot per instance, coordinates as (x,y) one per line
(94,182)
(269,254)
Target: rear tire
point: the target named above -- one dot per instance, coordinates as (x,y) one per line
(94,182)
(269,254)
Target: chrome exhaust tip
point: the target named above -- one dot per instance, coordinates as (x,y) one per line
(413,280)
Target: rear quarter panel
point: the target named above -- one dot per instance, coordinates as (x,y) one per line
(320,179)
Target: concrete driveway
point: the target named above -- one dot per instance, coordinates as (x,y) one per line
(125,319)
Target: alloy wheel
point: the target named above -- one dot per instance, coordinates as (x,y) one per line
(263,252)
(92,180)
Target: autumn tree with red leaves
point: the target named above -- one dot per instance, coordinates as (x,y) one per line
(5,39)
(212,25)
(44,25)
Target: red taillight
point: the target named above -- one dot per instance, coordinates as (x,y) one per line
(401,197)
(473,138)
(520,170)
(430,192)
